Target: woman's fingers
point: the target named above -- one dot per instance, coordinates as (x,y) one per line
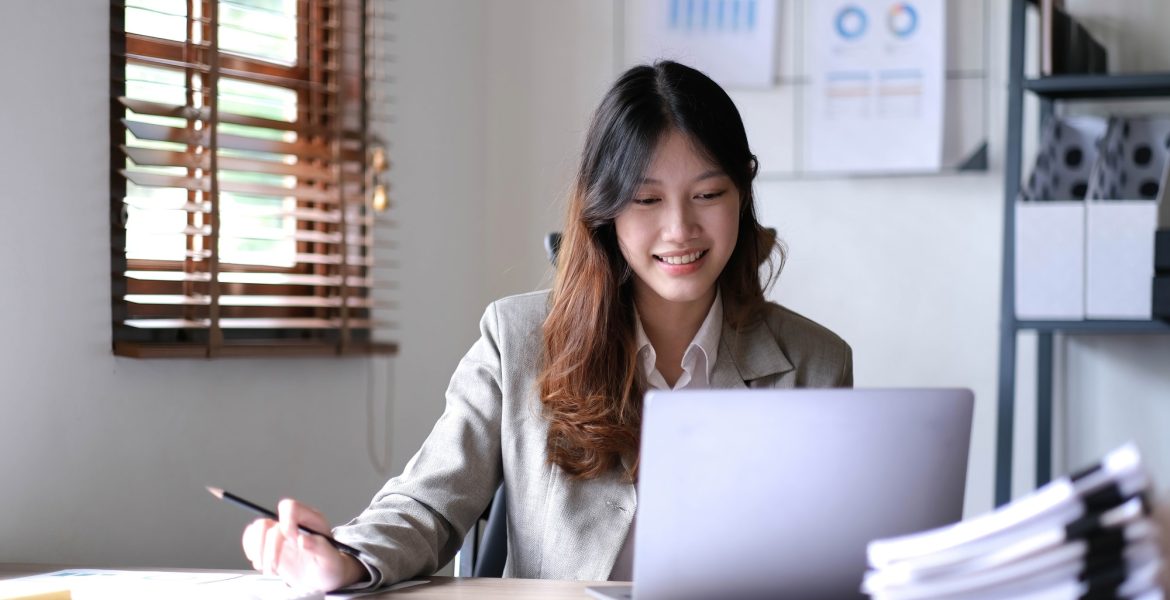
(293,513)
(278,547)
(253,541)
(310,543)
(274,541)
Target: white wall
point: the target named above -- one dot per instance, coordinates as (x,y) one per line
(102,460)
(550,63)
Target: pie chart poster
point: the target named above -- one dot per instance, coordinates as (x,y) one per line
(876,70)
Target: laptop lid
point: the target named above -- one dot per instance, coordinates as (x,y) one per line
(759,493)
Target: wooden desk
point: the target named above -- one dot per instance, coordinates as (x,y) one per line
(439,588)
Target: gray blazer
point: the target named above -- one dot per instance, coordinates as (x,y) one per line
(493,429)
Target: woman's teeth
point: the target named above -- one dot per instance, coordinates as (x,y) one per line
(682,260)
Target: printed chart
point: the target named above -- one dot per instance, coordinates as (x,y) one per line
(875,99)
(732,41)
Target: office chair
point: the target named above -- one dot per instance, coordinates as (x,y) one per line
(485,548)
(552,245)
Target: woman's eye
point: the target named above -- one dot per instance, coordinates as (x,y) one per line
(711,196)
(645,201)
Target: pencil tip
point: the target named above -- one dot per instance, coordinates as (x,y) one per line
(218,493)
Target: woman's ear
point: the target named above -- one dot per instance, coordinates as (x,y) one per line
(753,166)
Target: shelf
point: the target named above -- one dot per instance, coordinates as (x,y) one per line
(1082,87)
(1095,327)
(1050,90)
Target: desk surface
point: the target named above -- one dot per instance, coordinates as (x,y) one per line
(439,588)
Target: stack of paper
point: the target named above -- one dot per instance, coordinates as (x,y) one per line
(1086,535)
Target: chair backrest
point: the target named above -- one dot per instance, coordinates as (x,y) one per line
(485,548)
(494,544)
(552,245)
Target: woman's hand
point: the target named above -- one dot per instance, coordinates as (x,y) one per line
(304,561)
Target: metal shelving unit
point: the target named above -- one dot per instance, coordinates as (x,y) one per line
(1049,90)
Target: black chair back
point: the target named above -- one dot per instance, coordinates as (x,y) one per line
(485,548)
(494,551)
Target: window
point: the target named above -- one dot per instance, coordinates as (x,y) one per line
(246,181)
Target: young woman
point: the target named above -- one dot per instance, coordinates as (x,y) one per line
(658,286)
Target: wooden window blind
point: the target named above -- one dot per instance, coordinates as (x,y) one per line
(247,178)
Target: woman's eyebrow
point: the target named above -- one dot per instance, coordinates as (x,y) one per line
(705,175)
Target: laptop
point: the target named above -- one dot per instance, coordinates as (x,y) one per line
(775,493)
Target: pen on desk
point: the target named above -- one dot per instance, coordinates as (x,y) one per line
(256,508)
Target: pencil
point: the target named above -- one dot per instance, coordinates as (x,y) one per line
(256,508)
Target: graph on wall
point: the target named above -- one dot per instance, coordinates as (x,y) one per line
(732,41)
(877,71)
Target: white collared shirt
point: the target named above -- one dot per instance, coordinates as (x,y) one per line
(699,359)
(698,362)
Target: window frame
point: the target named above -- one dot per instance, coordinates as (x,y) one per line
(321,92)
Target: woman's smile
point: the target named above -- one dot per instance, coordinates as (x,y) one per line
(681,264)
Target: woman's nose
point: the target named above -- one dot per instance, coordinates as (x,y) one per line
(681,224)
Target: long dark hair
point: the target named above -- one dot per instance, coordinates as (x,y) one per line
(588,380)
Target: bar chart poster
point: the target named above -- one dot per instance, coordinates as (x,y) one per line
(876,70)
(732,41)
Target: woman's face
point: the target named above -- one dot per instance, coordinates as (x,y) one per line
(681,227)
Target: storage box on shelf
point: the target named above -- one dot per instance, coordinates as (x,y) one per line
(1050,222)
(1084,234)
(1121,218)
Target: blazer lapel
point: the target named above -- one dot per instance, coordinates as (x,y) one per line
(746,355)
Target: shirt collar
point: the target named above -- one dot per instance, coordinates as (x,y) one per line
(700,354)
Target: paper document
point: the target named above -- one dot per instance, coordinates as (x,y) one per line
(106,584)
